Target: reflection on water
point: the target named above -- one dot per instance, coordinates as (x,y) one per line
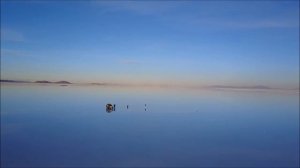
(110,108)
(53,126)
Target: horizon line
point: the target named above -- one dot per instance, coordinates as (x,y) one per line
(198,86)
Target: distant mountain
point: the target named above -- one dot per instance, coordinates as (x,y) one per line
(98,83)
(240,87)
(13,81)
(63,82)
(43,81)
(58,82)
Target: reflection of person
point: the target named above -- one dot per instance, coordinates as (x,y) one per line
(109,110)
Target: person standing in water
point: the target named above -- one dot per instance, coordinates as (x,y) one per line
(114,107)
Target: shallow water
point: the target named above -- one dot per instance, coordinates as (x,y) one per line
(46,125)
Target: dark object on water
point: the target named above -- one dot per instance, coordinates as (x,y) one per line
(114,107)
(109,108)
(127,106)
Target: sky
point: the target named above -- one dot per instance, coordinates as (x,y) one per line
(186,43)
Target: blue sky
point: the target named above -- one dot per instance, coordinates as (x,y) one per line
(173,42)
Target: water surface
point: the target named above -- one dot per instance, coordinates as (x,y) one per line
(46,125)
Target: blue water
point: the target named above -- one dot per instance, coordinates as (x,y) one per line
(45,125)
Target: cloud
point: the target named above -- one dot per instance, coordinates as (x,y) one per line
(11,35)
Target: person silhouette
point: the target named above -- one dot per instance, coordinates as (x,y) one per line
(109,108)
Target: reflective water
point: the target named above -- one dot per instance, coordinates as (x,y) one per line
(69,126)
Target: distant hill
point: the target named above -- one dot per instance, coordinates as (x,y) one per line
(13,81)
(43,81)
(240,87)
(58,82)
(98,83)
(63,82)
(39,81)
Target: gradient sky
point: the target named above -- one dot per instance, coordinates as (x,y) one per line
(191,43)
